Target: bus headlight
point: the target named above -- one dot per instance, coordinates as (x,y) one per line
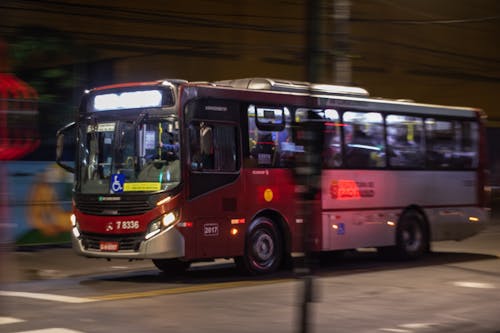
(153,229)
(167,221)
(72,218)
(74,225)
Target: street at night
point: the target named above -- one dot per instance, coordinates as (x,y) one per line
(304,166)
(454,289)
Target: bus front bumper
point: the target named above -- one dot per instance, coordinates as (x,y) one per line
(166,245)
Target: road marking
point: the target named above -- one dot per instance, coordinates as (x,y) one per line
(417,325)
(407,328)
(188,289)
(141,294)
(52,330)
(47,297)
(470,284)
(9,320)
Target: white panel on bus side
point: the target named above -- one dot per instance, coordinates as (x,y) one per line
(456,223)
(389,189)
(357,196)
(357,229)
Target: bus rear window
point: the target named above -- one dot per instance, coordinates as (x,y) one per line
(451,144)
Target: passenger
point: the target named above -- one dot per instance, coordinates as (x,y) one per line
(207,146)
(169,147)
(358,152)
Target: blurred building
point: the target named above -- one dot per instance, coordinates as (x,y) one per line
(444,52)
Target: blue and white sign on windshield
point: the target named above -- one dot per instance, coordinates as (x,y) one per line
(117,181)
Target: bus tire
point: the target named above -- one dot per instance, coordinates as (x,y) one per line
(412,238)
(263,248)
(171,266)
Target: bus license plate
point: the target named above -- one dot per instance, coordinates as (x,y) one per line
(108,246)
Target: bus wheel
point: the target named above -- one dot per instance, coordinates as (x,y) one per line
(171,266)
(263,248)
(412,240)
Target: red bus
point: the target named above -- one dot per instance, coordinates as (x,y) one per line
(180,172)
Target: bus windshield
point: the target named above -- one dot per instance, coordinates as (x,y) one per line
(127,156)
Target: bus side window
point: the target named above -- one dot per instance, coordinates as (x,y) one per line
(225,148)
(285,148)
(452,144)
(440,143)
(195,147)
(332,149)
(213,147)
(260,142)
(207,145)
(468,145)
(363,138)
(264,149)
(270,143)
(405,145)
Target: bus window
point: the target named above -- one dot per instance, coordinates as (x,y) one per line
(467,154)
(207,145)
(270,138)
(213,147)
(332,157)
(269,118)
(405,145)
(363,140)
(285,148)
(332,148)
(451,144)
(264,149)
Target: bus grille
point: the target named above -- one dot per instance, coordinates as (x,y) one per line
(129,206)
(125,243)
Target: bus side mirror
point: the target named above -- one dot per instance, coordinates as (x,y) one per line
(60,146)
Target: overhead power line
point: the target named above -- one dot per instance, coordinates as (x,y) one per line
(425,22)
(146,17)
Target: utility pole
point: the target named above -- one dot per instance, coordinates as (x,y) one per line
(341,45)
(313,53)
(309,135)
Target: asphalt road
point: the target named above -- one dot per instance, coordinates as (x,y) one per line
(455,289)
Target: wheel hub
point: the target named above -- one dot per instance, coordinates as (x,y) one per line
(263,247)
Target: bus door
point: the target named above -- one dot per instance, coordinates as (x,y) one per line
(214,188)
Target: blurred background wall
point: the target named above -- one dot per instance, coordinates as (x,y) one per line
(443,52)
